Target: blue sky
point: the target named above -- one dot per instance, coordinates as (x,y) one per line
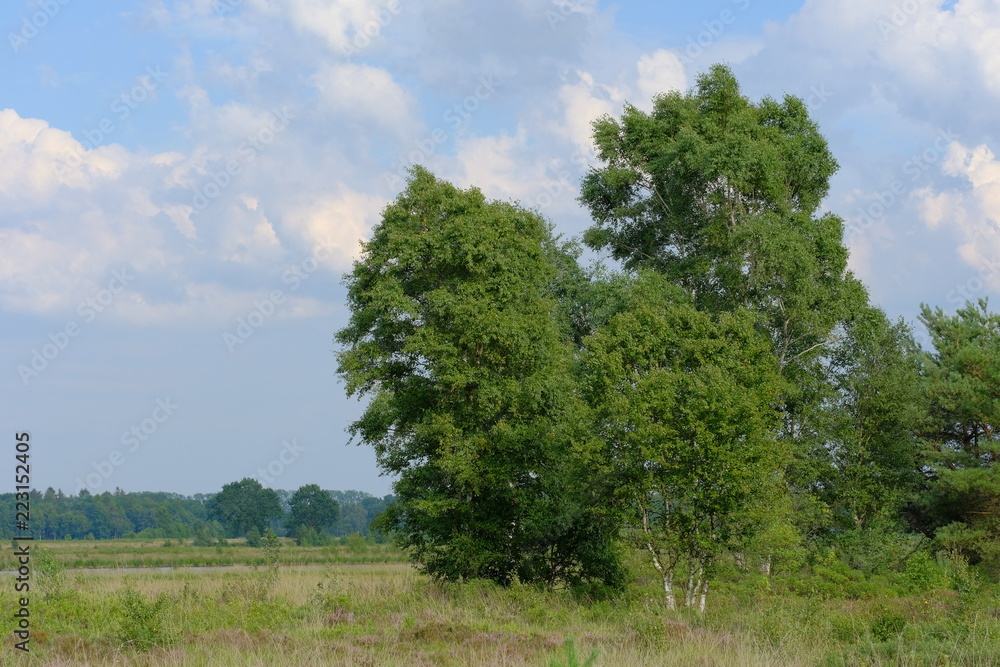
(183,184)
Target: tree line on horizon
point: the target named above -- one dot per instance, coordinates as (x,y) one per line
(728,393)
(164,515)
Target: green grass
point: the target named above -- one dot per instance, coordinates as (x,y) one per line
(134,553)
(386,614)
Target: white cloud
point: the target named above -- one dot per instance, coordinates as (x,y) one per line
(337,224)
(659,72)
(338,21)
(583,103)
(972,213)
(66,229)
(508,167)
(363,92)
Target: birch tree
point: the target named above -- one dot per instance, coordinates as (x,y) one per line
(685,402)
(722,196)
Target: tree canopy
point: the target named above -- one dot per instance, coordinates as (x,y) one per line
(243,505)
(729,391)
(313,508)
(452,334)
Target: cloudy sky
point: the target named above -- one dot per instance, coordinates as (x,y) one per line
(183,184)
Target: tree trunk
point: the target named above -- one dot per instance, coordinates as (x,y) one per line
(666,571)
(668,588)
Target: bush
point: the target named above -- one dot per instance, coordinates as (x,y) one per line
(253,537)
(139,623)
(355,543)
(50,573)
(203,538)
(310,537)
(922,573)
(887,626)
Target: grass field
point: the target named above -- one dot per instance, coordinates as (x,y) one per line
(344,613)
(176,553)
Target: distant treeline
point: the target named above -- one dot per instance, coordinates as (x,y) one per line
(146,514)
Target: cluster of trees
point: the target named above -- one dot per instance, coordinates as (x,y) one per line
(55,515)
(246,508)
(731,391)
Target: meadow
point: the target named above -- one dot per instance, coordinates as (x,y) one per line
(338,606)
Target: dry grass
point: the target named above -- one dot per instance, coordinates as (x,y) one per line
(388,614)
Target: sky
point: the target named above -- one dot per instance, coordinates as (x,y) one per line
(184,184)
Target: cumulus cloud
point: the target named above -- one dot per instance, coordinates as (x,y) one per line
(972,212)
(73,216)
(336,224)
(339,21)
(659,72)
(366,92)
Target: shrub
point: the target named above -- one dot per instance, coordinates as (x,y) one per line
(922,573)
(139,623)
(50,573)
(203,538)
(887,625)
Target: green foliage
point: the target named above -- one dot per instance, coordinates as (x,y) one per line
(831,578)
(455,338)
(961,495)
(310,537)
(721,196)
(330,595)
(355,543)
(272,548)
(140,622)
(253,537)
(257,588)
(571,658)
(684,401)
(203,538)
(924,573)
(887,626)
(881,547)
(50,574)
(244,504)
(312,508)
(867,467)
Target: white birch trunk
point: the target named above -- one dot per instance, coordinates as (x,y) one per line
(666,571)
